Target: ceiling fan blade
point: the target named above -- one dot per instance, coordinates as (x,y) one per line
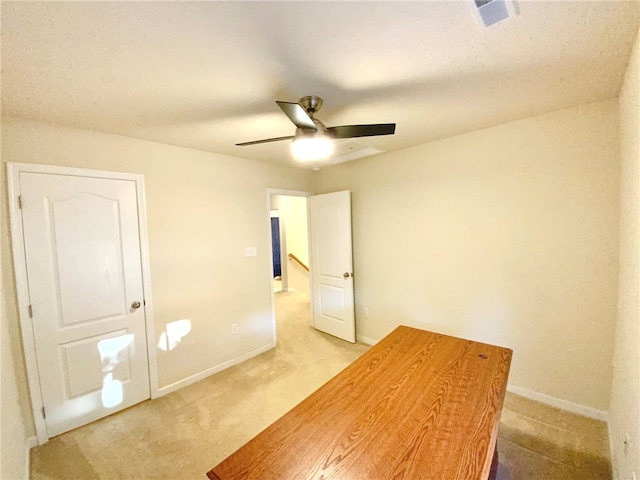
(350,131)
(267,140)
(297,114)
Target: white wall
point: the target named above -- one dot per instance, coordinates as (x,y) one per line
(624,411)
(507,235)
(203,210)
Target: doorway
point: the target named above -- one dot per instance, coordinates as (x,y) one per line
(329,275)
(290,272)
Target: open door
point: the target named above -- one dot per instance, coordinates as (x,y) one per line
(332,264)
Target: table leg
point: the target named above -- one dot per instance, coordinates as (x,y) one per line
(494,465)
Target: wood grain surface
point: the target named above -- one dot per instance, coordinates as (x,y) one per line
(417,405)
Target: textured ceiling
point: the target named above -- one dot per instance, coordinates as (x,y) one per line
(205,75)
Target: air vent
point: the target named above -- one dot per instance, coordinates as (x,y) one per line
(490,12)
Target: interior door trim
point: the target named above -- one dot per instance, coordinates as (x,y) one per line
(22,288)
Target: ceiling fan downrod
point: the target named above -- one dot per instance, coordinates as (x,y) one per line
(311,104)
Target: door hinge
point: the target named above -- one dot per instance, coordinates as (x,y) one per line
(20,202)
(30,311)
(44,414)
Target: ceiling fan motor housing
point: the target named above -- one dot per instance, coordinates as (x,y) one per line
(311,104)
(319,130)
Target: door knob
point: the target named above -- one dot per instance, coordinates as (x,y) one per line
(135,305)
(346,274)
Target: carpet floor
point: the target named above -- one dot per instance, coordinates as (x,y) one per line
(184,434)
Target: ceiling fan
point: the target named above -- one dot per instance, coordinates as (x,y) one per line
(314,141)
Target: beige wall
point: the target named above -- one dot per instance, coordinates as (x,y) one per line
(624,411)
(203,210)
(507,235)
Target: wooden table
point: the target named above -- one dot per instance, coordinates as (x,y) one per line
(417,405)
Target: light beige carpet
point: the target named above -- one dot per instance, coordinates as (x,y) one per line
(186,433)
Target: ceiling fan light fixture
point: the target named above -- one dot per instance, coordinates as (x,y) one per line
(308,148)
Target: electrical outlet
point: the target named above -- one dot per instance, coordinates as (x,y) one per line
(251,252)
(366,311)
(234,328)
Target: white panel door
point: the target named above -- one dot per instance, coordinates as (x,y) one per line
(84,274)
(332,264)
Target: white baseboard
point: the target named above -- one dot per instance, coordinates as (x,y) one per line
(29,444)
(523,392)
(366,340)
(559,403)
(210,371)
(539,397)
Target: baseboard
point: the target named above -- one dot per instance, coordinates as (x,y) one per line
(366,340)
(29,444)
(210,371)
(559,403)
(539,397)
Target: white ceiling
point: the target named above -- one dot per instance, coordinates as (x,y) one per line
(205,75)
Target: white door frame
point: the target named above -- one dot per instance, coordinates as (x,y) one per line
(290,193)
(22,287)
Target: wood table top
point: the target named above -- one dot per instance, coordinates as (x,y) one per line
(417,405)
